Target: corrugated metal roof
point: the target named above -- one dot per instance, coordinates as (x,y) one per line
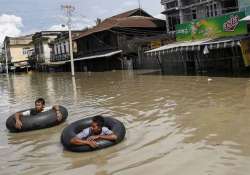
(105,55)
(129,13)
(177,45)
(124,20)
(247,18)
(212,43)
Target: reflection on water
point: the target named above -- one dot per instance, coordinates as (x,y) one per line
(175,125)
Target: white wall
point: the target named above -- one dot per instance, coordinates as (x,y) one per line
(46,50)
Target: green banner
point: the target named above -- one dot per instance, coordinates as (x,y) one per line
(222,26)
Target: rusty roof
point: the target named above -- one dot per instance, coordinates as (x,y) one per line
(130,13)
(124,20)
(137,22)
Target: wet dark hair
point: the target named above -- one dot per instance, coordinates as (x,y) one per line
(40,100)
(99,120)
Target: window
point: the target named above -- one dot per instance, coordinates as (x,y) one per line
(173,21)
(65,48)
(215,10)
(194,14)
(41,48)
(207,11)
(62,47)
(55,49)
(25,51)
(230,6)
(211,10)
(172,5)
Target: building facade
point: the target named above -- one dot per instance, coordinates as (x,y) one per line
(60,46)
(181,11)
(110,44)
(60,51)
(43,48)
(215,46)
(16,49)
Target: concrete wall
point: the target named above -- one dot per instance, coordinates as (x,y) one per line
(219,62)
(203,10)
(46,52)
(16,53)
(173,64)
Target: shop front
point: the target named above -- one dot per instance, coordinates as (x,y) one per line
(215,46)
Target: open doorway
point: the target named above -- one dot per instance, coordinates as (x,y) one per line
(190,64)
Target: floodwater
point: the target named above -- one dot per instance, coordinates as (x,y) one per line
(175,125)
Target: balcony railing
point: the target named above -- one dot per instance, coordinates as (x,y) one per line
(187,4)
(60,57)
(167,1)
(170,5)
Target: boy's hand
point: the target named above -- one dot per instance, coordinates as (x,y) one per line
(19,124)
(59,115)
(93,138)
(92,144)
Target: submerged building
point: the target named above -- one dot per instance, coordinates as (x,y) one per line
(42,49)
(16,49)
(109,45)
(212,38)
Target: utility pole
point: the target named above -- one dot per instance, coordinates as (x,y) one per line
(6,57)
(69,9)
(139,3)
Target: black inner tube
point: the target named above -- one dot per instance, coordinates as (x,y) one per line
(72,130)
(40,121)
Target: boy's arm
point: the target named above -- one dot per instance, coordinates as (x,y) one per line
(56,108)
(80,139)
(77,141)
(18,116)
(109,137)
(80,142)
(58,112)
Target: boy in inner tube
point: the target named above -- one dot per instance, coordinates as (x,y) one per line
(39,107)
(95,132)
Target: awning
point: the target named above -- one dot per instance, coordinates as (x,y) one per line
(57,63)
(178,46)
(21,64)
(223,43)
(226,42)
(247,18)
(109,54)
(105,55)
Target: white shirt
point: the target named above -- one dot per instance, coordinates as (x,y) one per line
(87,133)
(27,113)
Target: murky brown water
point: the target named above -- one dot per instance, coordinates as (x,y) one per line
(175,125)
